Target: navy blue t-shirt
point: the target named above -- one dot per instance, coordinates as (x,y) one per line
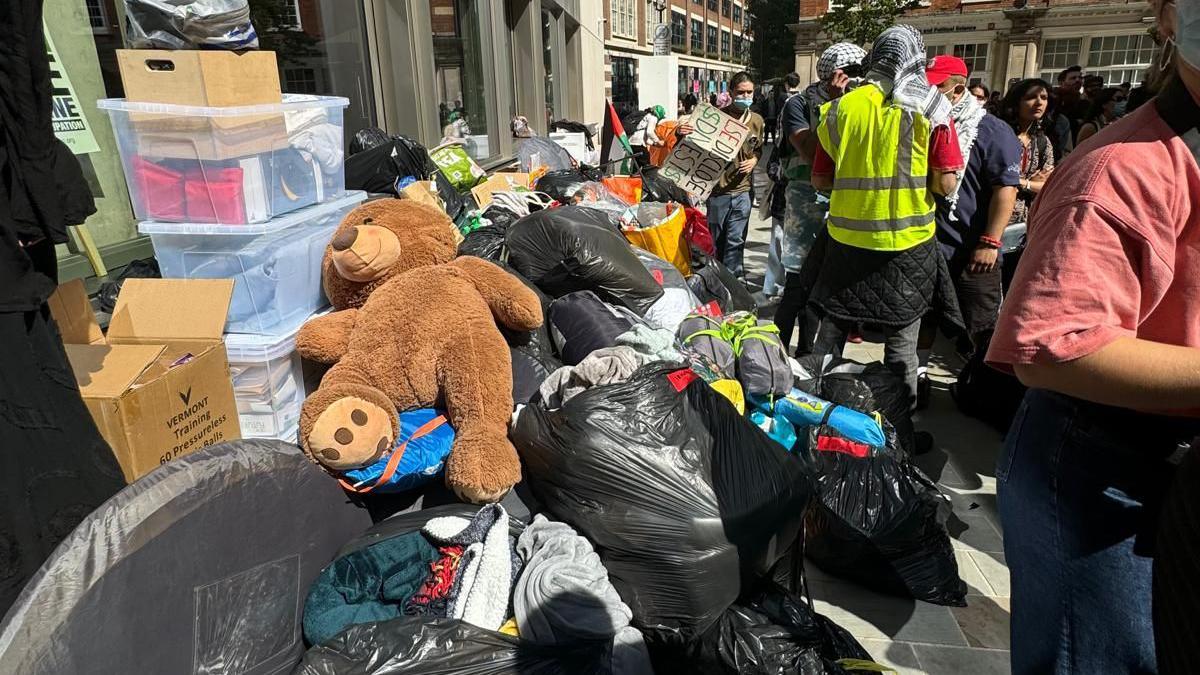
(995,161)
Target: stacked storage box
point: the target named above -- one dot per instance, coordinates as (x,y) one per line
(253,194)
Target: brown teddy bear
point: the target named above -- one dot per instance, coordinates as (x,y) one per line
(414,327)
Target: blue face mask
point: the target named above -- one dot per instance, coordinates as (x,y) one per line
(743,102)
(1119,109)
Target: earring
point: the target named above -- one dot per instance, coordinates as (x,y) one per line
(1168,51)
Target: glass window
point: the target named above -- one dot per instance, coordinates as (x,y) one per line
(678,30)
(726,7)
(97,15)
(624,84)
(737,47)
(712,4)
(975,56)
(548,37)
(724,43)
(931,52)
(1057,55)
(300,80)
(697,36)
(737,15)
(712,39)
(623,18)
(1120,58)
(459,75)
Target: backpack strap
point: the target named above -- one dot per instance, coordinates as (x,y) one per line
(394,461)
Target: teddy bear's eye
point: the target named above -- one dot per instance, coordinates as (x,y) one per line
(368,220)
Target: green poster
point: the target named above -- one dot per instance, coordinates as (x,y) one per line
(70,126)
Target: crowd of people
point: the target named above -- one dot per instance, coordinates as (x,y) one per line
(897,183)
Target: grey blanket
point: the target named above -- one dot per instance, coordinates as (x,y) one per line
(563,596)
(603,366)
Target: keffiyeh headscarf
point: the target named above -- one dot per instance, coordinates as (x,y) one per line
(837,57)
(897,66)
(967,114)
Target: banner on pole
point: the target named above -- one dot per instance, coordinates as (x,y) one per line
(66,113)
(699,159)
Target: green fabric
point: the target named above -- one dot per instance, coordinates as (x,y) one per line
(368,585)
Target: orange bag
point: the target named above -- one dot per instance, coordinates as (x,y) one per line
(665,238)
(626,188)
(666,133)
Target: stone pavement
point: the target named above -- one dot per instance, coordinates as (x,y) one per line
(908,635)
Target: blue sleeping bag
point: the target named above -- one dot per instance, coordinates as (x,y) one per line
(804,410)
(421,462)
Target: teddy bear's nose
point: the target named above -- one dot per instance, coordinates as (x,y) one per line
(345,240)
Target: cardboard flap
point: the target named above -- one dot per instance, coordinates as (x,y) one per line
(109,370)
(73,313)
(170,309)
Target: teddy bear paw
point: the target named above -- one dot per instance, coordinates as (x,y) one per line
(351,433)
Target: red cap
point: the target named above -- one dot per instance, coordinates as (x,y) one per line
(941,67)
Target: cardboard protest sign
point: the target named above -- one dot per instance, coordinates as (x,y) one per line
(700,158)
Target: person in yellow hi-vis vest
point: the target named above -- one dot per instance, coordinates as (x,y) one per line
(885,149)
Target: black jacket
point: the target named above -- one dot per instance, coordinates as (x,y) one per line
(42,189)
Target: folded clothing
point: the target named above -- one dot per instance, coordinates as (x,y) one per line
(563,596)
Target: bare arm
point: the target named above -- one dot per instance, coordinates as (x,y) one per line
(822,181)
(942,183)
(1004,197)
(1128,373)
(804,141)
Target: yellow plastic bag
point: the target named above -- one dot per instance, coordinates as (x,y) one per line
(665,239)
(732,390)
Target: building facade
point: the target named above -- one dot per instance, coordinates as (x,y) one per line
(710,37)
(1005,41)
(406,66)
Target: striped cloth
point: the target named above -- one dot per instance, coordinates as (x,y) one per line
(897,66)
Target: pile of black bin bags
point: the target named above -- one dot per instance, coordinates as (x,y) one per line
(877,520)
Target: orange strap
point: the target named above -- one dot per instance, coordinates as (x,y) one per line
(397,454)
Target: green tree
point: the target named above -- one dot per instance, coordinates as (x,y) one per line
(861,21)
(773,53)
(275,23)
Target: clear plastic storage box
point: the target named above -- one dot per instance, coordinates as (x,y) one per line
(268,383)
(276,266)
(229,165)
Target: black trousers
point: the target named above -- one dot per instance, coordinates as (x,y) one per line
(55,467)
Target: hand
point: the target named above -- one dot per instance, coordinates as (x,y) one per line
(984,260)
(684,129)
(837,84)
(1044,174)
(746,166)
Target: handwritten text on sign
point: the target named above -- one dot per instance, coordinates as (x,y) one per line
(700,158)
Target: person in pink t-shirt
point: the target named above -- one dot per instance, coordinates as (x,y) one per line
(1103,325)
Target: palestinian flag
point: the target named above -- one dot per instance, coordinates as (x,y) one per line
(614,144)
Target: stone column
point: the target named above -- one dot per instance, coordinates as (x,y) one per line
(808,49)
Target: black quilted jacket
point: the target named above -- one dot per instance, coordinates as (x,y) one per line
(885,288)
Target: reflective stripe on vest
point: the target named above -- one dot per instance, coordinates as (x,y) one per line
(880,198)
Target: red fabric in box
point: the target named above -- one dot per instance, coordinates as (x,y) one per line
(215,196)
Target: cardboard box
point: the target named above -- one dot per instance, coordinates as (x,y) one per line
(206,79)
(199,77)
(158,385)
(498,182)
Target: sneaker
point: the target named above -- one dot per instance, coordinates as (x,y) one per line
(924,390)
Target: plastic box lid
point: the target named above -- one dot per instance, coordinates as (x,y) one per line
(342,202)
(291,102)
(253,348)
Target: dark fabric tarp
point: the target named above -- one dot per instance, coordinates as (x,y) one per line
(201,566)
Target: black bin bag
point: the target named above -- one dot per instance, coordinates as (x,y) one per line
(767,632)
(573,248)
(201,566)
(587,323)
(713,282)
(686,501)
(879,521)
(417,646)
(865,387)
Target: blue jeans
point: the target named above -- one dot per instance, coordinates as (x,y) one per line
(728,219)
(1079,486)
